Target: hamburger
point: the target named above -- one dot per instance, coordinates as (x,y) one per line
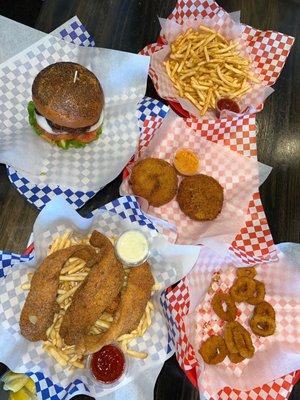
(67,105)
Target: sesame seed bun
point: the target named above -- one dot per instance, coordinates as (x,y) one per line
(66,97)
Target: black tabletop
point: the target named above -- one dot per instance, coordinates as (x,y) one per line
(129,25)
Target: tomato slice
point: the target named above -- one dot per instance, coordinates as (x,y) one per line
(83,138)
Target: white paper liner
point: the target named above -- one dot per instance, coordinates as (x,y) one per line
(231,29)
(276,355)
(169,264)
(239,176)
(123,77)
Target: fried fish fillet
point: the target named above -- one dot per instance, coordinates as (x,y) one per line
(132,306)
(114,305)
(98,290)
(40,305)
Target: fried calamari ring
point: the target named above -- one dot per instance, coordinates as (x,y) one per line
(217,304)
(249,272)
(242,289)
(262,325)
(235,358)
(259,293)
(243,341)
(200,197)
(264,308)
(155,180)
(213,350)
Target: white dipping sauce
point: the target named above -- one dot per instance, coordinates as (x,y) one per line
(132,247)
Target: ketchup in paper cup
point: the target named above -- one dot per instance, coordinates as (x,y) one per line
(107,366)
(228,105)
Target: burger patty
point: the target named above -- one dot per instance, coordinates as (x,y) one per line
(63,129)
(82,138)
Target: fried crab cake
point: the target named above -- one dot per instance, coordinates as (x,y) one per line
(200,197)
(155,180)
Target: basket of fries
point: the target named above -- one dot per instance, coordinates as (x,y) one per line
(79,308)
(210,65)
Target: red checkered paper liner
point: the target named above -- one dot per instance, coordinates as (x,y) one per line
(268,50)
(254,243)
(275,355)
(238,175)
(232,31)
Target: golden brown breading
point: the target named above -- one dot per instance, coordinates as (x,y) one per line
(132,306)
(155,180)
(114,305)
(40,305)
(98,290)
(200,197)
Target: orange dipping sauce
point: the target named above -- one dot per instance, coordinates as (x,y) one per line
(186,162)
(108,364)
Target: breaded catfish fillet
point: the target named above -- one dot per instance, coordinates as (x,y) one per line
(40,305)
(98,290)
(132,306)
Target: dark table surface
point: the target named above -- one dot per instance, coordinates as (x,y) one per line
(129,25)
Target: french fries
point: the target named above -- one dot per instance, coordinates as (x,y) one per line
(144,324)
(71,277)
(204,67)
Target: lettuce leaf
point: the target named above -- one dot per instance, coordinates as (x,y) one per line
(32,118)
(63,144)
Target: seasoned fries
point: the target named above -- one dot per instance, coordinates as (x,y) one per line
(204,67)
(71,277)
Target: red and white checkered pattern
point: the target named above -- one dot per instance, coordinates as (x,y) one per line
(239,134)
(185,9)
(287,320)
(254,243)
(267,49)
(208,323)
(178,299)
(150,49)
(279,389)
(238,176)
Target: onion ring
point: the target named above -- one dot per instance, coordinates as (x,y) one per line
(213,350)
(242,289)
(243,342)
(262,325)
(259,293)
(235,358)
(217,305)
(238,340)
(229,339)
(249,272)
(264,308)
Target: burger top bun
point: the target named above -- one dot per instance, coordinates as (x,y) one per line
(68,94)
